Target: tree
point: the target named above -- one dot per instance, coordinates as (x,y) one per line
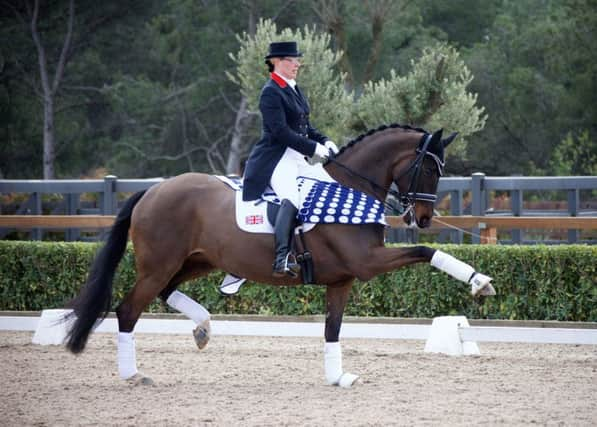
(574,155)
(144,90)
(238,145)
(178,113)
(370,46)
(461,22)
(49,82)
(432,95)
(52,81)
(536,74)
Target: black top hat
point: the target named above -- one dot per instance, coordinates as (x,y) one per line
(282,49)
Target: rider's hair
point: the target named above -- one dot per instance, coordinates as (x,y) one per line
(270,66)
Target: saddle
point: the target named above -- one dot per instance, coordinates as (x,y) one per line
(322,200)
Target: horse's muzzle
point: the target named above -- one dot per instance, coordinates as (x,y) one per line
(413,222)
(423,222)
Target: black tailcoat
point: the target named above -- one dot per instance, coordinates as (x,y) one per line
(285,114)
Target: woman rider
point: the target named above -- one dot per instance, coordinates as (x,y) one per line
(287,139)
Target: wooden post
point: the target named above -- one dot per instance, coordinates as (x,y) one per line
(72,205)
(573,204)
(488,236)
(456,210)
(36,233)
(108,200)
(478,198)
(517,202)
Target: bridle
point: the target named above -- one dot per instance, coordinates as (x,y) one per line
(406,199)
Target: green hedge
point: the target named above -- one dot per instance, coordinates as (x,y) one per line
(533,282)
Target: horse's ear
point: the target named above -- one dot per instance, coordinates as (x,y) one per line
(436,138)
(449,139)
(437,135)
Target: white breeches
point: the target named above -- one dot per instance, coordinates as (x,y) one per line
(283,180)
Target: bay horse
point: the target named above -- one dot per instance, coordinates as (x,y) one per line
(185,227)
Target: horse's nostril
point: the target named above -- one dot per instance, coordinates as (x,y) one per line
(424,222)
(407,219)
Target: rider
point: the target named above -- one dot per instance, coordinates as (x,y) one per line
(287,137)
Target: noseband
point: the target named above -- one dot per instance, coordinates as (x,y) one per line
(406,199)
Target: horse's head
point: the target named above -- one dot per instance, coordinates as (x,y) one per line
(418,187)
(410,158)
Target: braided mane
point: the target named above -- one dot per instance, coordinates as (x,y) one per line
(379,129)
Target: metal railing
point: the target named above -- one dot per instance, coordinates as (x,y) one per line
(474,190)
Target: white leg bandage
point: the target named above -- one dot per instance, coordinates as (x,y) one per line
(334,375)
(127,360)
(455,268)
(332,356)
(187,306)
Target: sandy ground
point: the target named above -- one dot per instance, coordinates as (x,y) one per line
(251,381)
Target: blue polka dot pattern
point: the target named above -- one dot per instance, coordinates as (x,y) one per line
(330,202)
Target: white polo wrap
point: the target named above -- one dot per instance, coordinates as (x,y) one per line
(127,360)
(187,306)
(332,356)
(454,267)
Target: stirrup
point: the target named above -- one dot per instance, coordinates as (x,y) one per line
(291,267)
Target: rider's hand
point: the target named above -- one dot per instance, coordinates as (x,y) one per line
(331,145)
(322,152)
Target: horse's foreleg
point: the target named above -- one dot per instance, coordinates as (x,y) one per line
(480,283)
(336,298)
(384,259)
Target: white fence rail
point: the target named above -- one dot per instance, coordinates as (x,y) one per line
(586,336)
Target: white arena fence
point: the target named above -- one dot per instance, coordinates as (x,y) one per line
(313,326)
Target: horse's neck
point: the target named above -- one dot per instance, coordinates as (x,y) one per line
(374,160)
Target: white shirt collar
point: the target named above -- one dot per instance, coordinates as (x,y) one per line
(291,82)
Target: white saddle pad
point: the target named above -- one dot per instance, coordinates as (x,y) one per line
(321,200)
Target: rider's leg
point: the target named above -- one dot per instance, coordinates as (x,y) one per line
(283,182)
(285,221)
(283,179)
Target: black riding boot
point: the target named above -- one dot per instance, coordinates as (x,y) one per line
(285,220)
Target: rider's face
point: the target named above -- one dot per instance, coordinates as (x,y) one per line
(287,67)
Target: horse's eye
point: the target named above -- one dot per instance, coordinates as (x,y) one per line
(428,171)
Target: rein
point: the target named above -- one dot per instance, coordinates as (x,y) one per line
(407,200)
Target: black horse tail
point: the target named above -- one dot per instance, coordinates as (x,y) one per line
(95,299)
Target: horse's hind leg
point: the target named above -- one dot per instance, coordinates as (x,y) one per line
(146,289)
(336,298)
(186,305)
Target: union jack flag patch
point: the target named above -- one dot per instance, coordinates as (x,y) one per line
(253,219)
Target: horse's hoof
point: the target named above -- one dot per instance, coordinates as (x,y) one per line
(140,379)
(347,380)
(487,291)
(481,285)
(202,333)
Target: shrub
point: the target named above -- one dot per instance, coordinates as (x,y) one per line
(533,282)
